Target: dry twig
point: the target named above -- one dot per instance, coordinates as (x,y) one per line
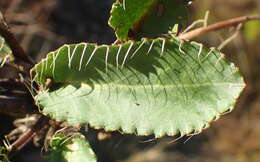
(17,50)
(220,25)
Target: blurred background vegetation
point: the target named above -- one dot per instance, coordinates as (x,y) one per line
(44,25)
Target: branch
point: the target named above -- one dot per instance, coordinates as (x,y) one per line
(17,50)
(16,106)
(12,85)
(220,25)
(15,100)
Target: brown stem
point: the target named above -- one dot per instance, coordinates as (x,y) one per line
(16,106)
(220,25)
(17,50)
(27,136)
(15,99)
(12,84)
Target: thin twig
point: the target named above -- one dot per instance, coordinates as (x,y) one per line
(233,36)
(220,25)
(27,136)
(17,50)
(204,21)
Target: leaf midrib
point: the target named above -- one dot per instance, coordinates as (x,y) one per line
(165,86)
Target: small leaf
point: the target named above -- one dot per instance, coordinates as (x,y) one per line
(156,86)
(163,18)
(70,149)
(4,153)
(5,52)
(4,48)
(146,18)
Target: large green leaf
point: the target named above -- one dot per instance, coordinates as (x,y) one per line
(155,86)
(146,18)
(70,149)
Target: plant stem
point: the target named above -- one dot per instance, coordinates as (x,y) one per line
(17,50)
(220,25)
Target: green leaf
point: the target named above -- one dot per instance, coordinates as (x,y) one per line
(4,153)
(4,48)
(159,86)
(74,148)
(160,16)
(5,51)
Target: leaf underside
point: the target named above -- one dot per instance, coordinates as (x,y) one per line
(70,149)
(146,18)
(159,86)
